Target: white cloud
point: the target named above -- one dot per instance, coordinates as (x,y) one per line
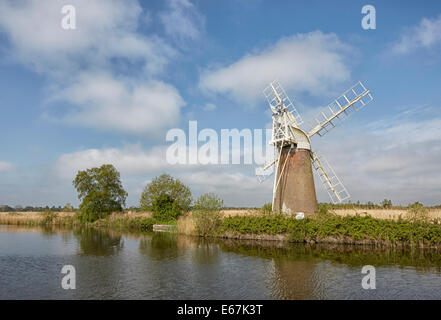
(393,161)
(399,160)
(6,166)
(222,180)
(139,165)
(105,69)
(105,102)
(314,62)
(425,35)
(105,30)
(182,20)
(131,159)
(234,187)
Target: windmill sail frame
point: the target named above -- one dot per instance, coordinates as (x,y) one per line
(287,135)
(333,185)
(351,101)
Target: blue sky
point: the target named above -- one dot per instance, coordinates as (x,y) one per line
(108,91)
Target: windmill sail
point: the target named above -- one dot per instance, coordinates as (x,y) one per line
(335,189)
(340,109)
(266,171)
(278,99)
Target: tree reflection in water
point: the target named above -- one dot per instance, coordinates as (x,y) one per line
(302,271)
(98,242)
(160,246)
(206,252)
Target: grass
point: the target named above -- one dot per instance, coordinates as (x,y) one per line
(334,228)
(134,221)
(37,218)
(137,223)
(415,225)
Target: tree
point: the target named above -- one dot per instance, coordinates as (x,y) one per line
(416,212)
(166,197)
(68,208)
(101,192)
(386,203)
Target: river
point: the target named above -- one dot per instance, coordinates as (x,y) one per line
(117,265)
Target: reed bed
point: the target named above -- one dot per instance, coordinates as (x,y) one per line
(384,214)
(34,218)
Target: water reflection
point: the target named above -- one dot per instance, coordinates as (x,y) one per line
(160,246)
(112,264)
(98,242)
(422,259)
(333,271)
(205,252)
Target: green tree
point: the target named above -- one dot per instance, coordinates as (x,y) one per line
(386,203)
(68,208)
(101,192)
(416,212)
(166,197)
(267,208)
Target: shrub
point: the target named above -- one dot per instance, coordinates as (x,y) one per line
(323,209)
(165,208)
(68,208)
(350,227)
(166,197)
(146,224)
(206,213)
(267,208)
(386,203)
(416,212)
(48,216)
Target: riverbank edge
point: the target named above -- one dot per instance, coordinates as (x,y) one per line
(186,226)
(325,240)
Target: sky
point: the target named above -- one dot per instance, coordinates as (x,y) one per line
(109,90)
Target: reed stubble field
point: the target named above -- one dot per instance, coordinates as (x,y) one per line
(387,214)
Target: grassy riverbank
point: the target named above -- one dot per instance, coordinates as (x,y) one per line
(335,229)
(142,221)
(341,226)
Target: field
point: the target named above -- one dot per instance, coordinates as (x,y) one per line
(389,214)
(37,217)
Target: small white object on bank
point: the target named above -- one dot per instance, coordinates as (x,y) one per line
(300,215)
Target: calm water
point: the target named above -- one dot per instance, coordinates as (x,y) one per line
(113,265)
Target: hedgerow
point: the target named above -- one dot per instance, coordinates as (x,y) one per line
(351,227)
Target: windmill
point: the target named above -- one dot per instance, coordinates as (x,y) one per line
(293,189)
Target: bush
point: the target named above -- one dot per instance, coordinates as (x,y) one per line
(416,212)
(349,227)
(323,209)
(206,213)
(146,224)
(165,208)
(386,203)
(48,216)
(68,208)
(267,208)
(166,197)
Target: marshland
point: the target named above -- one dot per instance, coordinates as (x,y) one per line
(213,252)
